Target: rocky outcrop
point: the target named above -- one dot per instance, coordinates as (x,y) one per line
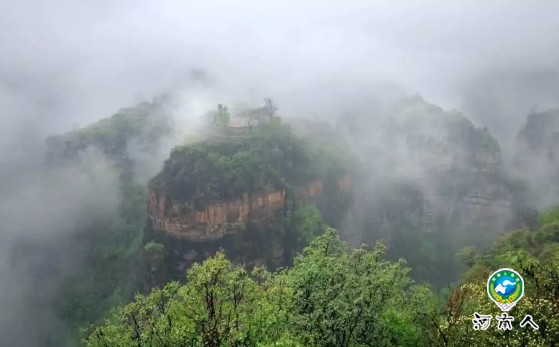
(486,206)
(487,161)
(535,158)
(539,133)
(436,171)
(250,229)
(459,184)
(184,221)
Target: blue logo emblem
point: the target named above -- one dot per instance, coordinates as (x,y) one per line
(505,285)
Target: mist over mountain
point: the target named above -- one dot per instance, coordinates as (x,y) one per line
(441,109)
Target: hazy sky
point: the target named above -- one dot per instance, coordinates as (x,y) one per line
(66,62)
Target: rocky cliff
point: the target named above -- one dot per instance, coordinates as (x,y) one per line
(535,158)
(245,194)
(431,168)
(184,221)
(430,183)
(540,133)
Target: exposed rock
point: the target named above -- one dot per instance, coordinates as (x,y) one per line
(539,131)
(535,158)
(183,221)
(486,207)
(436,167)
(487,161)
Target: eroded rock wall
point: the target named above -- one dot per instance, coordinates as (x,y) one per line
(433,167)
(536,160)
(184,221)
(249,229)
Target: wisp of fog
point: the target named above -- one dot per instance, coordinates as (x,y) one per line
(65,63)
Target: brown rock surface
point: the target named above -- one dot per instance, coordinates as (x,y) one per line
(183,221)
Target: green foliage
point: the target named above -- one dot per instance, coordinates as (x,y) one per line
(108,277)
(488,142)
(331,297)
(146,123)
(307,222)
(425,124)
(154,247)
(334,296)
(222,117)
(154,255)
(432,255)
(541,287)
(270,156)
(549,216)
(535,255)
(351,298)
(541,243)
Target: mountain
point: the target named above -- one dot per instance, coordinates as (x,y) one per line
(430,180)
(425,181)
(535,157)
(244,194)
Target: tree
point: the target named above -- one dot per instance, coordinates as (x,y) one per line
(351,298)
(223,117)
(535,255)
(220,305)
(251,116)
(270,108)
(331,297)
(219,118)
(454,324)
(154,258)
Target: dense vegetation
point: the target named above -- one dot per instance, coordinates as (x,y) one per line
(327,294)
(254,162)
(112,269)
(334,296)
(110,274)
(271,155)
(145,124)
(423,123)
(330,297)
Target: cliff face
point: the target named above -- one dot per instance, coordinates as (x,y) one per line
(540,132)
(488,206)
(249,195)
(435,166)
(184,221)
(535,158)
(471,188)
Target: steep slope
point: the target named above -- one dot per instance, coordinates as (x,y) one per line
(535,157)
(120,138)
(242,190)
(111,270)
(432,182)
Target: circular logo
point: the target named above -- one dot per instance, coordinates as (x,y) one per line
(505,287)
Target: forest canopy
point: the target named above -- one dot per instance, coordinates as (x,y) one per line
(328,294)
(334,296)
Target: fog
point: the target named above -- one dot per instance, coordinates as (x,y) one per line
(77,62)
(66,62)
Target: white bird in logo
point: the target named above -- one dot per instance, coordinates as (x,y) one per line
(501,287)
